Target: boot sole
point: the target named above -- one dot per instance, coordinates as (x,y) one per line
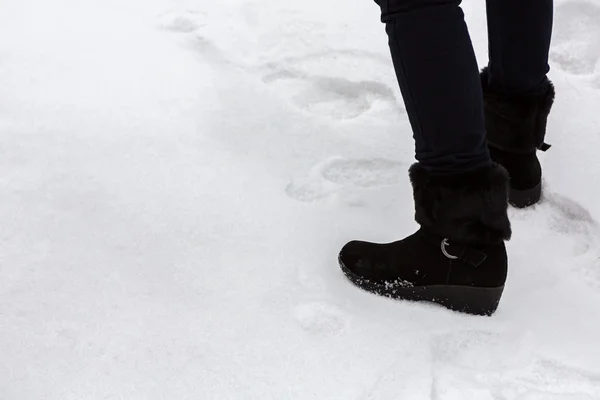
(466,299)
(525,198)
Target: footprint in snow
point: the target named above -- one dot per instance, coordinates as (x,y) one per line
(570,217)
(483,351)
(338,174)
(321,317)
(553,379)
(576,37)
(506,366)
(571,209)
(187,21)
(337,98)
(364,172)
(191,22)
(344,92)
(580,229)
(348,60)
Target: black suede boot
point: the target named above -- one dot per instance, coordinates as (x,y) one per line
(457,258)
(516,129)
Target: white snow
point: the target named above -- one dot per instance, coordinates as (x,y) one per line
(177,177)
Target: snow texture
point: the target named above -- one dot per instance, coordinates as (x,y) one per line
(177,177)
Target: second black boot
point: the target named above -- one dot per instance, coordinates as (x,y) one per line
(516,129)
(457,258)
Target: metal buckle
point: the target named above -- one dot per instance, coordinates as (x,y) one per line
(444,252)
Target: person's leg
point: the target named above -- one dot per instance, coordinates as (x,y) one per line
(519,34)
(458,257)
(517,93)
(438,76)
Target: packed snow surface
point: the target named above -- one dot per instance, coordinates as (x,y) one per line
(177,177)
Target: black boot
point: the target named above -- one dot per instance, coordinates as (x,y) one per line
(457,258)
(516,128)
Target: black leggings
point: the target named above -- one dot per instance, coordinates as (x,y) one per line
(439,78)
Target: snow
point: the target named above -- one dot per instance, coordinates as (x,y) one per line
(177,177)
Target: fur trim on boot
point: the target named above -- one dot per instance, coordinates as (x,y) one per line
(516,128)
(516,123)
(469,208)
